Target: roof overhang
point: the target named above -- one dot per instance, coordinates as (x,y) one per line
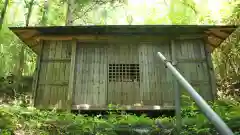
(214,34)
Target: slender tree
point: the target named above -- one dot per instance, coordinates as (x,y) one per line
(3,12)
(29,6)
(70,12)
(44,19)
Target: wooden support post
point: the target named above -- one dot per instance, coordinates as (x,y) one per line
(72,75)
(176,90)
(37,72)
(212,77)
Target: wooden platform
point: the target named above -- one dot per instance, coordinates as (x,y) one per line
(121,107)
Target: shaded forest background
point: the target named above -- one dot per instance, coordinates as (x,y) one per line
(17,61)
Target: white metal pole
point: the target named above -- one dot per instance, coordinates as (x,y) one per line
(202,104)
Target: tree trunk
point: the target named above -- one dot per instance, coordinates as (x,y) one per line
(70,11)
(29,12)
(44,19)
(3,12)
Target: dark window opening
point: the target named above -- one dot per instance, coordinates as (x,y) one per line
(123,73)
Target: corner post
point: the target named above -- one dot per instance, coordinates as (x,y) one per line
(212,77)
(37,72)
(72,75)
(176,90)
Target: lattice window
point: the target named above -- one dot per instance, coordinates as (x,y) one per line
(123,73)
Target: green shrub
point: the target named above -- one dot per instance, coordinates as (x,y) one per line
(16,118)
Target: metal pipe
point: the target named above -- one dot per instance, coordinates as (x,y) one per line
(202,104)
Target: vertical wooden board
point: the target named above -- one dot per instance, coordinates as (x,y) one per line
(80,80)
(157,91)
(110,84)
(198,50)
(121,92)
(126,86)
(141,66)
(89,84)
(150,71)
(165,76)
(80,75)
(136,85)
(105,74)
(54,95)
(159,67)
(68,49)
(47,76)
(91,77)
(116,94)
(143,75)
(117,87)
(52,73)
(102,77)
(65,91)
(86,75)
(71,82)
(95,77)
(58,64)
(77,75)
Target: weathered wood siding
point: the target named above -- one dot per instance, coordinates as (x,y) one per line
(118,73)
(156,81)
(96,62)
(192,63)
(94,85)
(52,88)
(91,75)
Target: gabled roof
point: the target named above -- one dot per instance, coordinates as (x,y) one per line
(32,35)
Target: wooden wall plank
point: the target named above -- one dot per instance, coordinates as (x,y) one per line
(72,75)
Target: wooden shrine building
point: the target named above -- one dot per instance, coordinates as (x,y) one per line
(90,67)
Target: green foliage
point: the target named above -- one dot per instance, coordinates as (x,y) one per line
(15,118)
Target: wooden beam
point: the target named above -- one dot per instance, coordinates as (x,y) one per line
(120,107)
(197,60)
(56,60)
(71,83)
(212,77)
(59,83)
(116,38)
(227,31)
(38,68)
(213,41)
(216,35)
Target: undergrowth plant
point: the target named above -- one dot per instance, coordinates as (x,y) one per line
(18,118)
